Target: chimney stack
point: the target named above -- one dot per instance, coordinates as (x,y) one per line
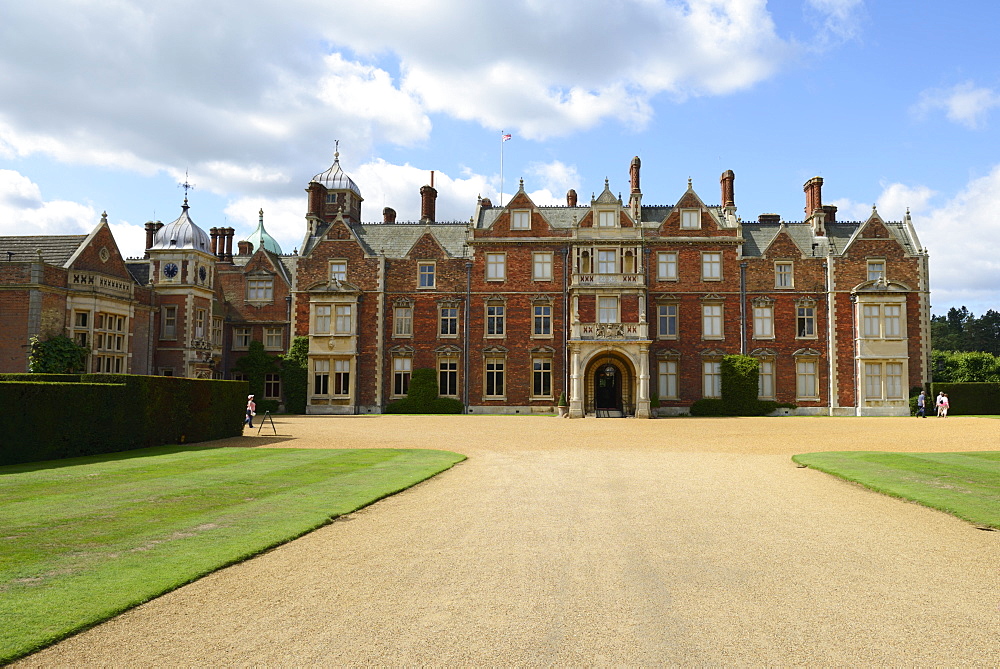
(229,232)
(428,198)
(150,233)
(571,198)
(245,248)
(728,192)
(814,195)
(633,172)
(388,215)
(214,232)
(831,213)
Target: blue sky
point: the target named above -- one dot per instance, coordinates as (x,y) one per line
(104,106)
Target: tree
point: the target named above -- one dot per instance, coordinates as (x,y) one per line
(965,367)
(57,355)
(295,375)
(256,365)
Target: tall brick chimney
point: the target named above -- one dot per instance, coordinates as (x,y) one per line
(816,213)
(150,233)
(214,232)
(229,232)
(571,198)
(633,172)
(388,215)
(728,192)
(814,195)
(245,248)
(428,200)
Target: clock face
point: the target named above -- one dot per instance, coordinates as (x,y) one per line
(202,273)
(170,270)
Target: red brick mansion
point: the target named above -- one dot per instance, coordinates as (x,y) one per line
(611,302)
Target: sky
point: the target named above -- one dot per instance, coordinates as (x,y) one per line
(109,105)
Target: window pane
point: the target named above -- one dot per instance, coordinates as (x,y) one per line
(543,320)
(426,275)
(666,266)
(607,310)
(542,267)
(607,261)
(667,323)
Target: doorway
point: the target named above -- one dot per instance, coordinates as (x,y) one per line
(607,388)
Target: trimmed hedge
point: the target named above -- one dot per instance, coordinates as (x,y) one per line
(966,398)
(106,413)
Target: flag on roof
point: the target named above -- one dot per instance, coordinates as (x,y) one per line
(505,137)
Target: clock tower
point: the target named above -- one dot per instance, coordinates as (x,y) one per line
(182,272)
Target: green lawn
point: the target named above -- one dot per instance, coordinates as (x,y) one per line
(966,485)
(85,539)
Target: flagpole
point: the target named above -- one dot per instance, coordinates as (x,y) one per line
(501,166)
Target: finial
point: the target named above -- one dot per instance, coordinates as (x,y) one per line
(605,183)
(521,183)
(336,150)
(104,216)
(689,183)
(186,186)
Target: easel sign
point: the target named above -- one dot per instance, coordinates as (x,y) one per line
(267,416)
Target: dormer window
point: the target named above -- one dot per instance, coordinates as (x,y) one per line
(690,219)
(338,270)
(520,220)
(876,270)
(607,219)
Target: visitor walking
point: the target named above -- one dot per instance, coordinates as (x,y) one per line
(944,405)
(937,404)
(251,411)
(922,404)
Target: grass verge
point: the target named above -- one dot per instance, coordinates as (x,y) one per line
(83,540)
(966,485)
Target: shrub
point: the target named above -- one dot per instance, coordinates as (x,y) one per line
(708,407)
(422,396)
(57,355)
(295,375)
(739,385)
(256,365)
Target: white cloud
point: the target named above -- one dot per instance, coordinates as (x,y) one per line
(555,177)
(965,103)
(962,238)
(205,85)
(23,211)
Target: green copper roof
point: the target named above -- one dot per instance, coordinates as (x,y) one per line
(259,237)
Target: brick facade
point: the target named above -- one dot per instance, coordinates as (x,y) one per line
(607,302)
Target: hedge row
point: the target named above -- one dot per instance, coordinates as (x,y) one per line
(106,413)
(966,398)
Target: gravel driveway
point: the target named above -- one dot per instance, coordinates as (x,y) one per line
(597,542)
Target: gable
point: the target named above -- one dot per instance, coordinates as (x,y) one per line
(782,246)
(426,246)
(99,253)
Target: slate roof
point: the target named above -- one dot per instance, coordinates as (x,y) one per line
(838,235)
(395,240)
(56,249)
(139,271)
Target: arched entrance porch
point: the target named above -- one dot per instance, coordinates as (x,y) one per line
(610,385)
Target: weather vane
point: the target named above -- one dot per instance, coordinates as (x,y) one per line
(186,186)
